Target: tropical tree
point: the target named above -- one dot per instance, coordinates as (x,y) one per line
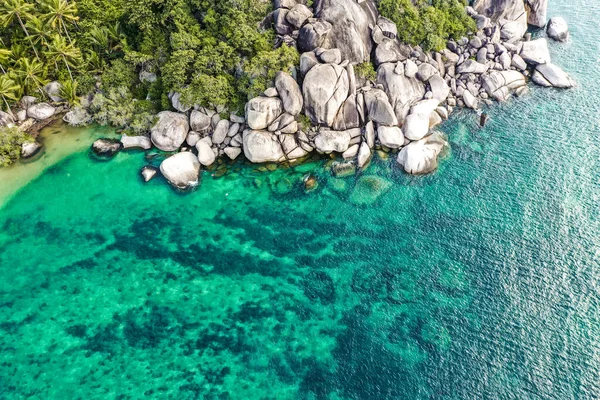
(30,74)
(59,49)
(5,56)
(59,12)
(19,10)
(8,90)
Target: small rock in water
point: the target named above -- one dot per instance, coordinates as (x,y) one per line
(310,182)
(29,149)
(369,189)
(148,173)
(483,119)
(343,169)
(106,148)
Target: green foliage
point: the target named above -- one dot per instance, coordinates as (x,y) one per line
(366,71)
(304,121)
(11,140)
(429,23)
(118,108)
(261,70)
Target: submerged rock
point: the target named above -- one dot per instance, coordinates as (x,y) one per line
(343,169)
(182,170)
(369,189)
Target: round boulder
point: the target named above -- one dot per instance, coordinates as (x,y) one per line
(182,170)
(421,157)
(106,148)
(170,131)
(41,111)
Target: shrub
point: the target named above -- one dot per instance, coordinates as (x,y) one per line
(11,140)
(429,23)
(366,71)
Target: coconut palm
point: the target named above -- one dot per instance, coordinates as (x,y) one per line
(59,12)
(8,90)
(5,56)
(38,31)
(19,10)
(31,74)
(60,50)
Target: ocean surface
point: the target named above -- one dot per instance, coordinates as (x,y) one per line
(480,281)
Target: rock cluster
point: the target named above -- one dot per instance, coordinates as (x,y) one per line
(323,106)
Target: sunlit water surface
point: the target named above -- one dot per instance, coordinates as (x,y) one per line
(479,281)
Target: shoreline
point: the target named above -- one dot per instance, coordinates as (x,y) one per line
(59,142)
(323,106)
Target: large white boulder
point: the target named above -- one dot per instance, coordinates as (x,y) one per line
(290,93)
(379,108)
(350,26)
(262,146)
(421,157)
(403,91)
(509,14)
(262,111)
(182,170)
(390,136)
(417,123)
(328,141)
(170,131)
(550,75)
(501,84)
(558,29)
(439,88)
(133,142)
(536,52)
(41,111)
(325,88)
(536,12)
(206,155)
(471,67)
(200,121)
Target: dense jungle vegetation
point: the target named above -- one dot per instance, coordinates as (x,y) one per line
(214,52)
(429,23)
(210,50)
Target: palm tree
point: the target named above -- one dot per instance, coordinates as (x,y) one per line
(31,74)
(59,13)
(8,90)
(38,31)
(59,49)
(5,56)
(19,9)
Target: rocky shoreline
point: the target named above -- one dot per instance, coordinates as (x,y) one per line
(324,106)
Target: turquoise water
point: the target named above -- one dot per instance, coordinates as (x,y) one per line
(479,281)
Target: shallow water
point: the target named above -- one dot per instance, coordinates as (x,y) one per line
(479,281)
